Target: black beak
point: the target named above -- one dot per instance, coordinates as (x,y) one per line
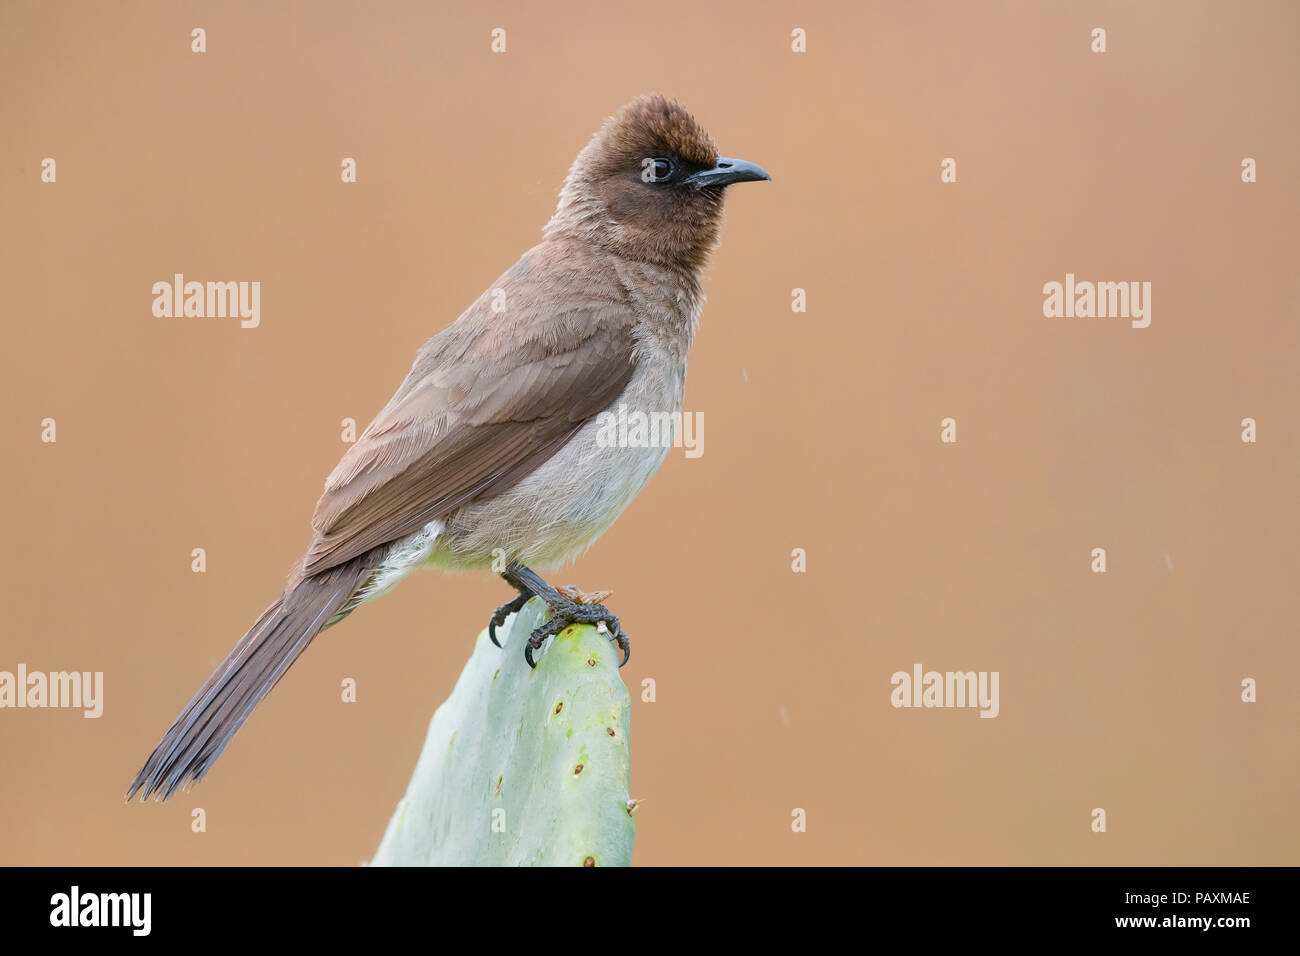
(726,172)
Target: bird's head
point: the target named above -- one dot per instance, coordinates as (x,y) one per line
(649,185)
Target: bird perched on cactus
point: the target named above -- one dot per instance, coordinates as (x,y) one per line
(489,450)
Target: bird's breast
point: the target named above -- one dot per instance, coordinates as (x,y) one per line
(557,511)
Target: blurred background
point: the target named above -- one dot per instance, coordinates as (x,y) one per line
(822,429)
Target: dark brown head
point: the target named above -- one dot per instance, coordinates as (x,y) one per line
(649,185)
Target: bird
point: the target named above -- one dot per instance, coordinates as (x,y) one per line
(489,453)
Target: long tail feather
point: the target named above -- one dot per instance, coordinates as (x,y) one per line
(215,714)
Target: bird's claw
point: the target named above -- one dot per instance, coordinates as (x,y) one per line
(567,611)
(500,614)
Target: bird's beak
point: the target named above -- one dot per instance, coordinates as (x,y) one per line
(727,171)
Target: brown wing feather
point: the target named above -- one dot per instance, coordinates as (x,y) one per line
(487,401)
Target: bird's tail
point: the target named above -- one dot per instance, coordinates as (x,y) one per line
(209,721)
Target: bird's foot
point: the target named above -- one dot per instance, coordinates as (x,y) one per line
(564,612)
(567,604)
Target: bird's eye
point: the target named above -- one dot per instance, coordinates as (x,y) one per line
(656,170)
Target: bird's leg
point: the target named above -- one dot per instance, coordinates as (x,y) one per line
(568,605)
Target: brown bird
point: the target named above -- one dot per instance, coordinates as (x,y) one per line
(490,450)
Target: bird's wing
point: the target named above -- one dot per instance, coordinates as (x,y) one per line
(487,401)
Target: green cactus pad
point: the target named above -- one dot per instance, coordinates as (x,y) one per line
(523,767)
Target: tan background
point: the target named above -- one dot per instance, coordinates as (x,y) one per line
(821,430)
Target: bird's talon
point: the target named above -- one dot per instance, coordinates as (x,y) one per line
(566,612)
(500,614)
(567,604)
